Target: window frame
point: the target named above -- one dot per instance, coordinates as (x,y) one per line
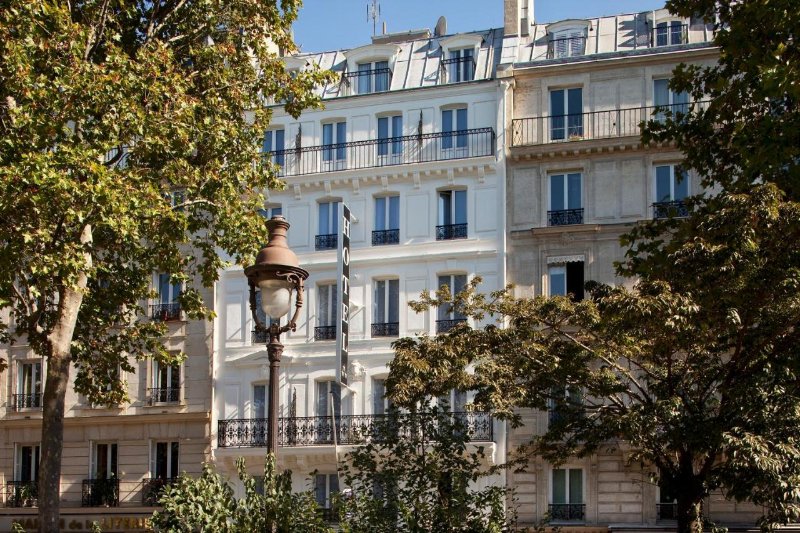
(390,142)
(390,307)
(276,137)
(564,266)
(567,468)
(172,463)
(569,124)
(371,80)
(455,140)
(457,71)
(334,144)
(567,197)
(112,460)
(451,314)
(673,184)
(36,460)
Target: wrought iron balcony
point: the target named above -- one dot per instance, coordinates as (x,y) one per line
(451,231)
(386,329)
(565,217)
(31,400)
(373,153)
(608,124)
(350,429)
(375,80)
(566,47)
(385,236)
(567,511)
(166,312)
(326,242)
(675,209)
(100,493)
(22,493)
(443,326)
(324,333)
(164,395)
(666,511)
(153,487)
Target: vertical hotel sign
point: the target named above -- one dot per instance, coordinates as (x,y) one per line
(343,323)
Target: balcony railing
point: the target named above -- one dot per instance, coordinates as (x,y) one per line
(449,232)
(674,209)
(31,400)
(608,124)
(350,429)
(443,326)
(326,242)
(164,395)
(385,236)
(386,329)
(165,312)
(22,493)
(565,217)
(666,511)
(100,493)
(324,333)
(153,487)
(393,151)
(566,47)
(367,81)
(567,511)
(458,69)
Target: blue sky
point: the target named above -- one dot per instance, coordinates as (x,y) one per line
(334,24)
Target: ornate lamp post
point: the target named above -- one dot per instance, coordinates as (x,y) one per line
(277,274)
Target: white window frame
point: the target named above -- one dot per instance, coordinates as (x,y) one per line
(253,398)
(569,37)
(327,489)
(455,72)
(111,450)
(35,465)
(451,314)
(387,307)
(333,216)
(683,37)
(672,181)
(453,145)
(36,382)
(568,112)
(332,312)
(387,210)
(583,485)
(392,144)
(170,459)
(272,210)
(334,158)
(155,381)
(372,66)
(566,176)
(274,146)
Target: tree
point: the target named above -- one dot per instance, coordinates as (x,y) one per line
(130,136)
(208,504)
(418,473)
(694,370)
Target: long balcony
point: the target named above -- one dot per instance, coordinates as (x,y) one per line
(165,312)
(608,124)
(22,494)
(30,400)
(674,209)
(392,151)
(567,512)
(350,429)
(152,489)
(100,493)
(386,329)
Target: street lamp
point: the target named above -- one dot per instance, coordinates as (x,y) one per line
(277,274)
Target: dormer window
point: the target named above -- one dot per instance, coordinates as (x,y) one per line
(671,32)
(567,43)
(460,65)
(368,69)
(372,77)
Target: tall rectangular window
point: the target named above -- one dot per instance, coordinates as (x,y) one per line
(329,393)
(566,114)
(566,279)
(669,33)
(385,311)
(461,65)
(672,189)
(452,215)
(259,402)
(167,307)
(334,137)
(27,463)
(566,206)
(328,304)
(328,226)
(165,460)
(274,145)
(166,383)
(566,500)
(665,99)
(446,317)
(390,137)
(104,460)
(387,212)
(29,385)
(380,402)
(373,77)
(325,487)
(568,43)
(454,127)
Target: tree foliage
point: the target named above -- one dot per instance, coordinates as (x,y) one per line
(419,473)
(208,504)
(129,139)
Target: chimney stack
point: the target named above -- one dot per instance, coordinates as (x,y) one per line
(518,17)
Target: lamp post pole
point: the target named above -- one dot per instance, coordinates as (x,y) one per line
(274,352)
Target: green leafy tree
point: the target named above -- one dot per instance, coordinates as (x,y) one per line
(418,473)
(208,504)
(129,138)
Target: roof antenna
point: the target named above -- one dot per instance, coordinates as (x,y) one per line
(374,13)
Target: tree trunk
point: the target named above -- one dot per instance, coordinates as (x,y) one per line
(690,513)
(55,389)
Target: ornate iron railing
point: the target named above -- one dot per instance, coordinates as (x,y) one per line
(565,217)
(385,236)
(375,80)
(386,329)
(350,429)
(443,326)
(566,47)
(326,242)
(164,395)
(324,333)
(666,511)
(675,209)
(153,487)
(31,400)
(608,124)
(100,493)
(451,231)
(166,312)
(22,493)
(372,153)
(567,511)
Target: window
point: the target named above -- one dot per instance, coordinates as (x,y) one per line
(260,401)
(329,394)
(566,279)
(24,489)
(669,33)
(334,151)
(327,236)
(446,317)
(672,188)
(461,65)
(387,220)
(455,402)
(565,200)
(102,487)
(166,383)
(274,145)
(29,386)
(27,463)
(325,486)
(381,404)
(272,211)
(454,128)
(373,77)
(567,43)
(452,215)
(390,140)
(164,462)
(385,312)
(665,99)
(566,114)
(562,399)
(667,506)
(327,312)
(566,501)
(168,307)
